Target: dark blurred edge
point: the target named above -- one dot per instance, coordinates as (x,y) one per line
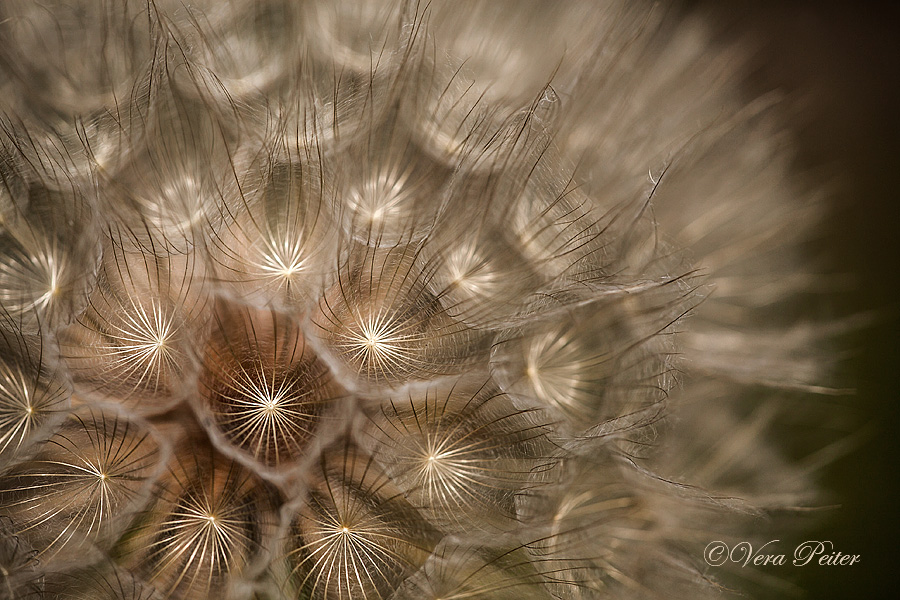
(844,58)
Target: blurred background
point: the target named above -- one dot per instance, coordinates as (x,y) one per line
(840,62)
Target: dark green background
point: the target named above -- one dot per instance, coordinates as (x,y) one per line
(844,59)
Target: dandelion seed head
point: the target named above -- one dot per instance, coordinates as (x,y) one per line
(352,537)
(278,243)
(141,344)
(378,343)
(31,282)
(133,343)
(554,370)
(468,270)
(29,397)
(379,199)
(264,388)
(453,451)
(17,409)
(384,326)
(375,300)
(83,482)
(204,527)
